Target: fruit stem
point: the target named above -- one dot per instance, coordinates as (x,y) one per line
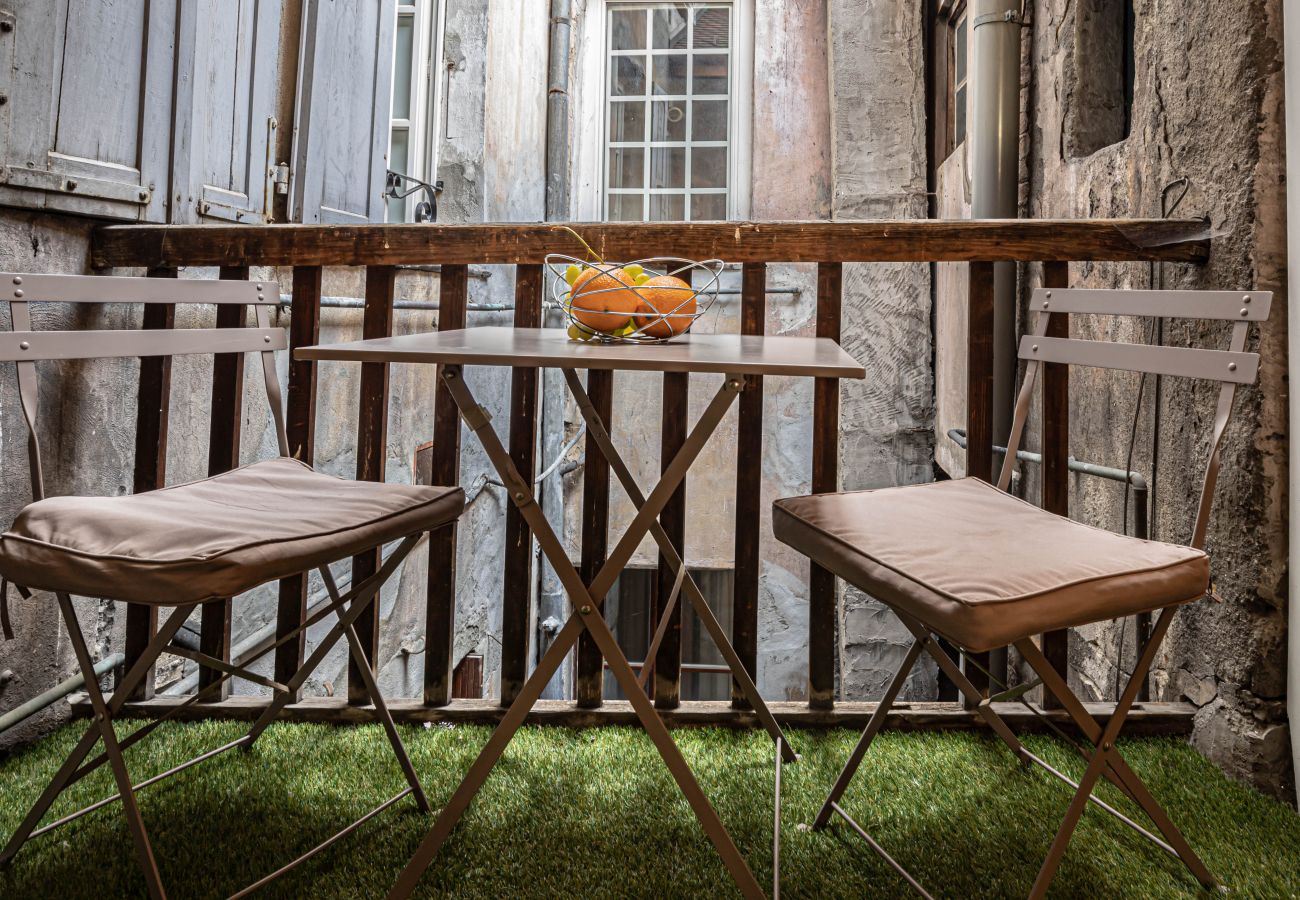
(600,259)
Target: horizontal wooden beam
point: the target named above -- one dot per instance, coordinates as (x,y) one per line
(912,240)
(1146,718)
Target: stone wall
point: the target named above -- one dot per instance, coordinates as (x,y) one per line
(1206,108)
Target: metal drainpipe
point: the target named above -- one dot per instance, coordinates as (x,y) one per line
(995,174)
(1291,37)
(57,693)
(550,601)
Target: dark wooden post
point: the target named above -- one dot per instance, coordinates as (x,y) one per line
(440,600)
(372,452)
(822,613)
(979,405)
(518,577)
(595,534)
(749,486)
(300,424)
(668,661)
(223,455)
(1056,456)
(153,396)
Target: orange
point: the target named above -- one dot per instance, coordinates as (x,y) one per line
(601,299)
(665,295)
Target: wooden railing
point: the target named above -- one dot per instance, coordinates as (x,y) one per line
(162,249)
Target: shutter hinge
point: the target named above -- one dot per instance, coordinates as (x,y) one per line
(280,178)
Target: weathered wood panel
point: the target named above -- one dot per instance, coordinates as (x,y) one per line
(372,453)
(1056,454)
(749,483)
(440,599)
(911,240)
(516,603)
(594,534)
(822,611)
(979,406)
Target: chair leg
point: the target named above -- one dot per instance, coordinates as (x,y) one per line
(104,721)
(874,725)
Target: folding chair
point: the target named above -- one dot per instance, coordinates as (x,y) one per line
(190,544)
(968,562)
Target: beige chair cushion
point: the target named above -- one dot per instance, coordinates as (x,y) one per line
(981,567)
(213,538)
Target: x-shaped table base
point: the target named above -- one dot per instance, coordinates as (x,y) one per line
(587,603)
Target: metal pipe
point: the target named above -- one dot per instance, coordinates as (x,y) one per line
(557,112)
(1291,51)
(57,693)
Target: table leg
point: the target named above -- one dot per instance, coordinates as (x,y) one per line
(587,601)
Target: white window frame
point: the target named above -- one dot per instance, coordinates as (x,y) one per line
(591,148)
(424,127)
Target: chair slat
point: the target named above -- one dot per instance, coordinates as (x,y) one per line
(132,289)
(1247,306)
(36,345)
(1218,365)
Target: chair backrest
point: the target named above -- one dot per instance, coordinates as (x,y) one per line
(26,347)
(1231,367)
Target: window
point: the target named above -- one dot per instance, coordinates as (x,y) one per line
(413,137)
(671,123)
(630,611)
(960,53)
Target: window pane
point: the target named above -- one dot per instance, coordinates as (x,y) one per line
(709,120)
(628,29)
(708,207)
(397,161)
(402,67)
(670,28)
(627,121)
(960,40)
(667,207)
(667,120)
(629,76)
(710,74)
(711,28)
(959,116)
(626,167)
(670,73)
(709,167)
(625,208)
(668,167)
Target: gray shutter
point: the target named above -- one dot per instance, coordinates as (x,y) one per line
(344,100)
(225,110)
(87,122)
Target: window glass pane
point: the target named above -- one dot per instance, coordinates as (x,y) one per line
(959,116)
(710,74)
(626,167)
(670,73)
(402,67)
(667,207)
(670,28)
(708,207)
(625,208)
(667,167)
(709,167)
(628,76)
(397,161)
(960,50)
(628,29)
(709,120)
(711,28)
(627,121)
(667,120)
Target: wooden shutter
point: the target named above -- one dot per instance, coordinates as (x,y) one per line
(344,98)
(88,90)
(225,110)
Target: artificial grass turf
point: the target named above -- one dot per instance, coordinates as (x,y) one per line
(594,813)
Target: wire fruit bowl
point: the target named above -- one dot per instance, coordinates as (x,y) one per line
(645,301)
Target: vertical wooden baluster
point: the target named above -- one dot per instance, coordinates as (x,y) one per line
(372,452)
(822,631)
(150,464)
(668,661)
(749,486)
(979,406)
(223,455)
(440,600)
(516,604)
(595,533)
(300,424)
(1056,456)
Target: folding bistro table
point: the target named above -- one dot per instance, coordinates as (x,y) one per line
(733,357)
